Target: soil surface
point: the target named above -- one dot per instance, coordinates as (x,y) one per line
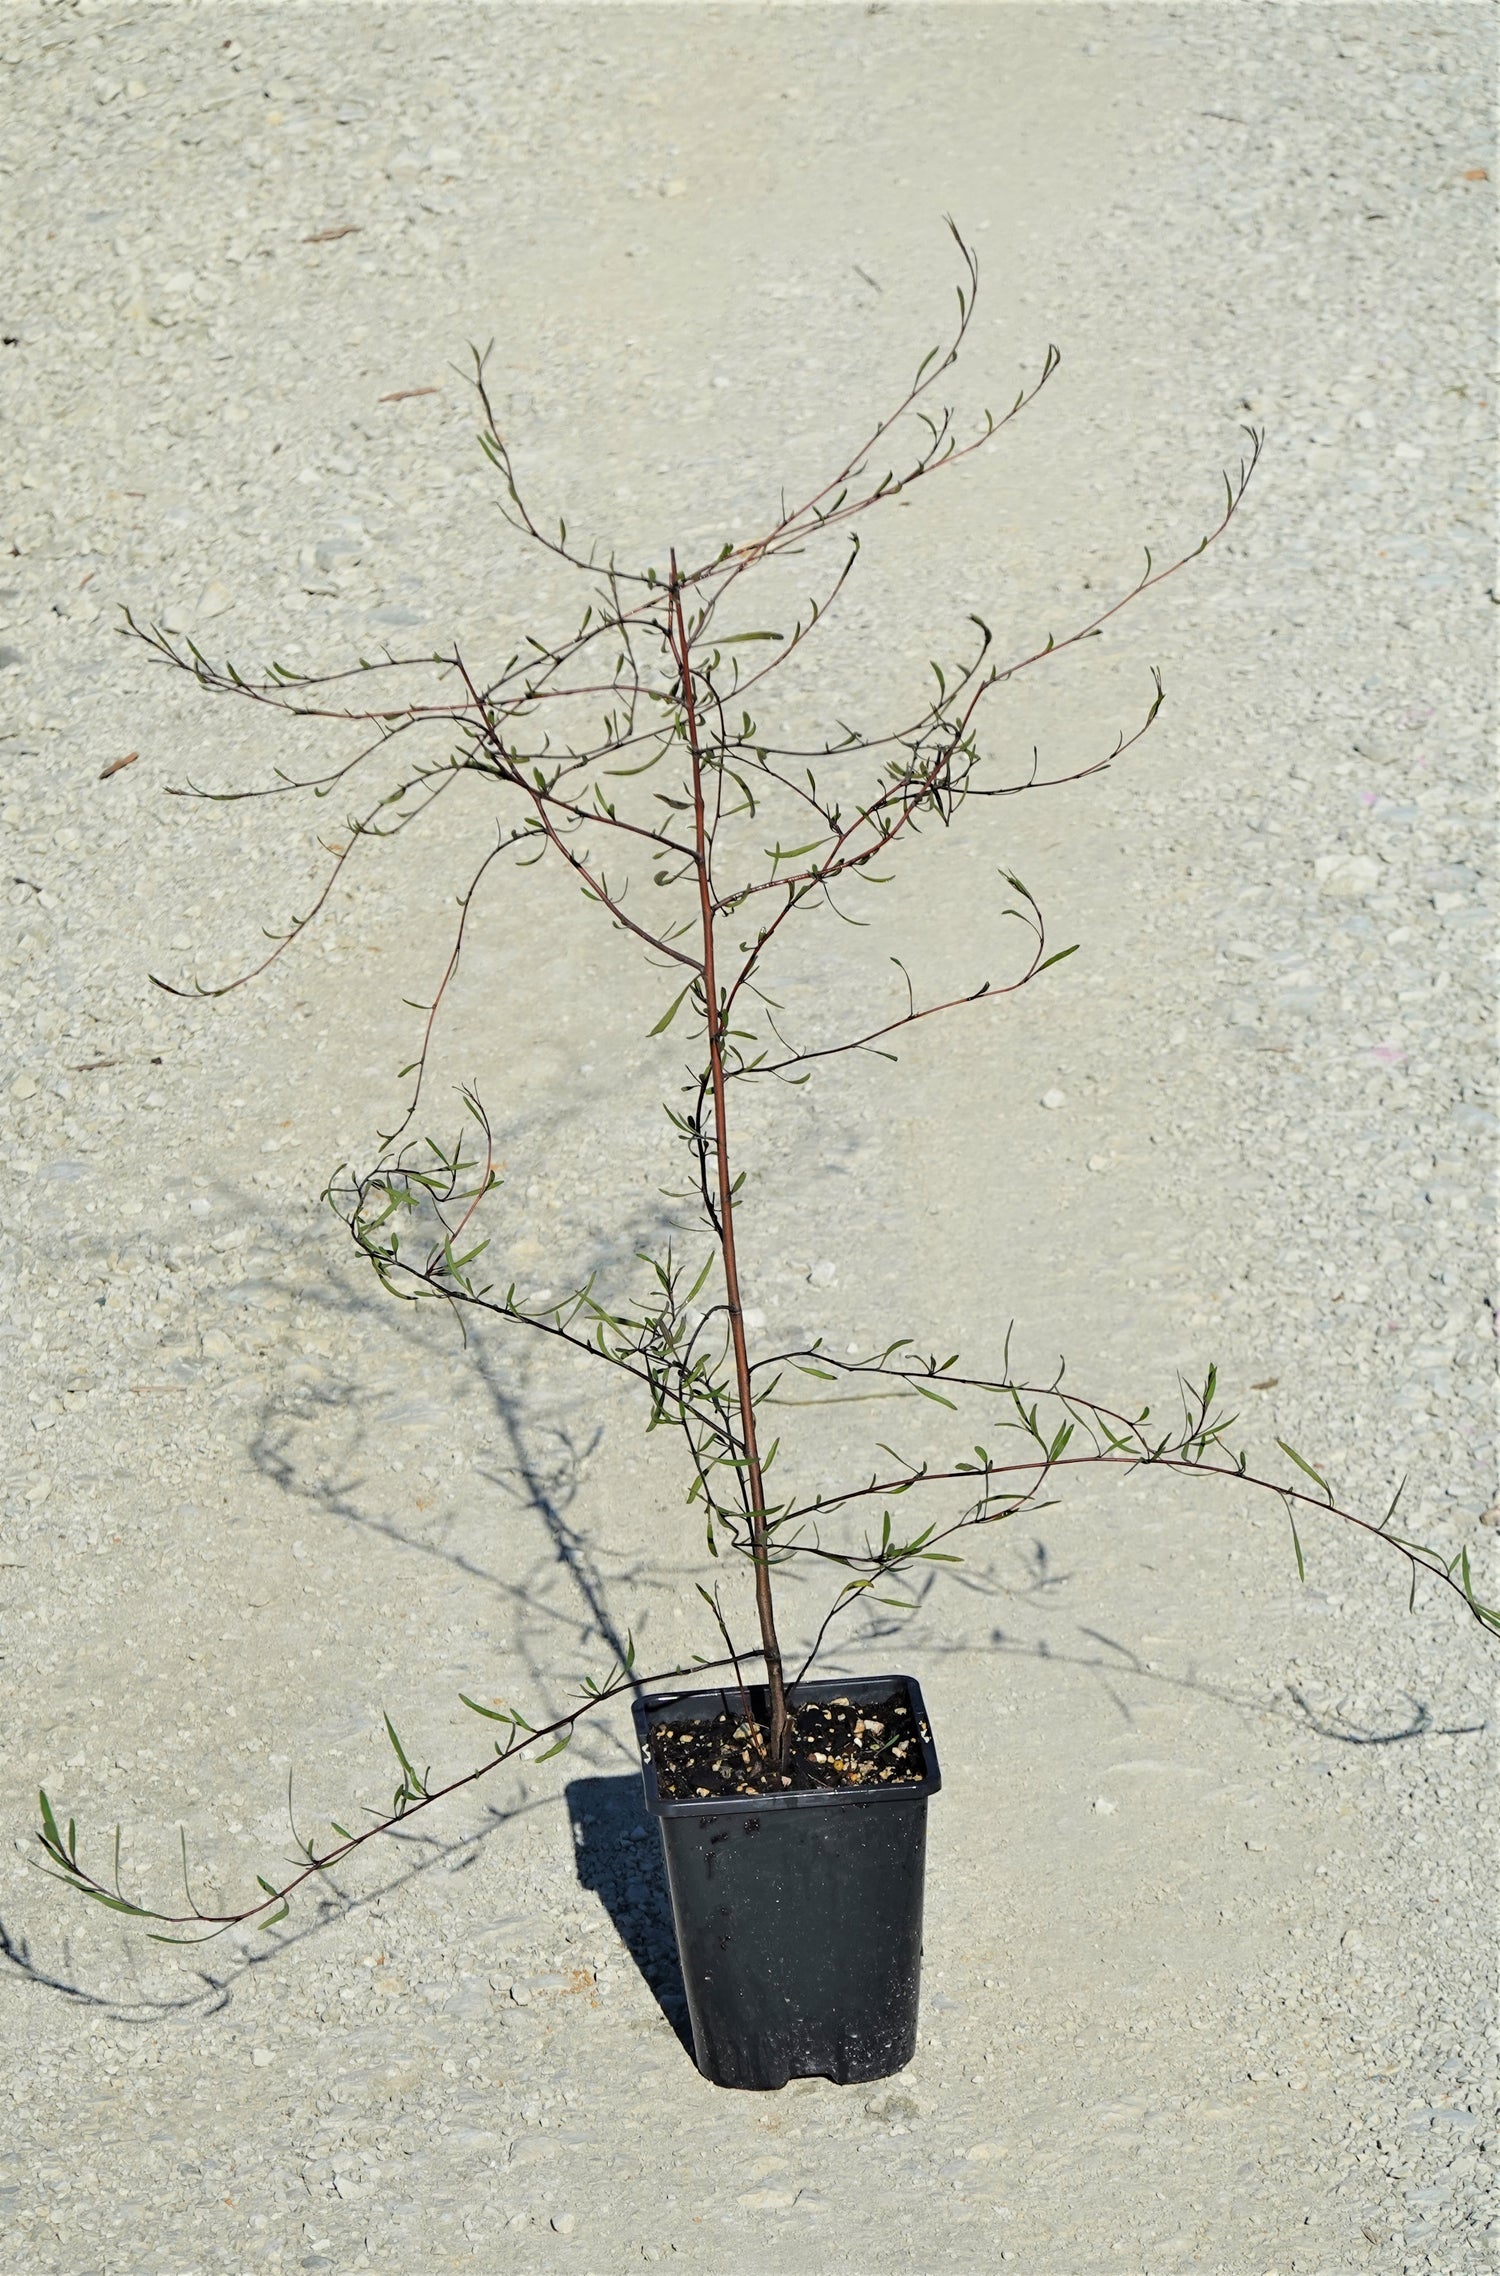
(1210,1946)
(834,1743)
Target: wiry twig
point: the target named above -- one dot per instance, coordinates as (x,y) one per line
(414,1793)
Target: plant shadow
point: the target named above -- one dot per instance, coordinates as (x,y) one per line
(617,1853)
(322,1437)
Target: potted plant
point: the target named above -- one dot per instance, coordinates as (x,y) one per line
(632,752)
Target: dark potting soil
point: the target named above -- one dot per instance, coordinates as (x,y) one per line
(834,1743)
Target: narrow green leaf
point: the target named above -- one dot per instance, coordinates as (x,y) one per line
(1468,1582)
(412,1779)
(1294,1456)
(120,1904)
(703,1275)
(671,1012)
(49,1826)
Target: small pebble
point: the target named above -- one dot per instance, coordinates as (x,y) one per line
(1347,877)
(1054,1099)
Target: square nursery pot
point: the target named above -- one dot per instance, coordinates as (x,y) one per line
(798,1915)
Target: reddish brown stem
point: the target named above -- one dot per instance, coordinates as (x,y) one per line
(754,1479)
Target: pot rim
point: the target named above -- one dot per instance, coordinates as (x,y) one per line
(649,1707)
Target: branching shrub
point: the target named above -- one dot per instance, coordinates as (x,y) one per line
(630,752)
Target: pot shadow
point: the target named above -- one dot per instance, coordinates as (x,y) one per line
(617,1853)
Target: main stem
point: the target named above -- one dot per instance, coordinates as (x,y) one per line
(754,1478)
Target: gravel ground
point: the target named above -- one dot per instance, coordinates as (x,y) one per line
(1211,1937)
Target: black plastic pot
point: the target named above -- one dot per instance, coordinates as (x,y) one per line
(798,1915)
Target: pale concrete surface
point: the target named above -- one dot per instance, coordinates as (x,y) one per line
(1211,1941)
